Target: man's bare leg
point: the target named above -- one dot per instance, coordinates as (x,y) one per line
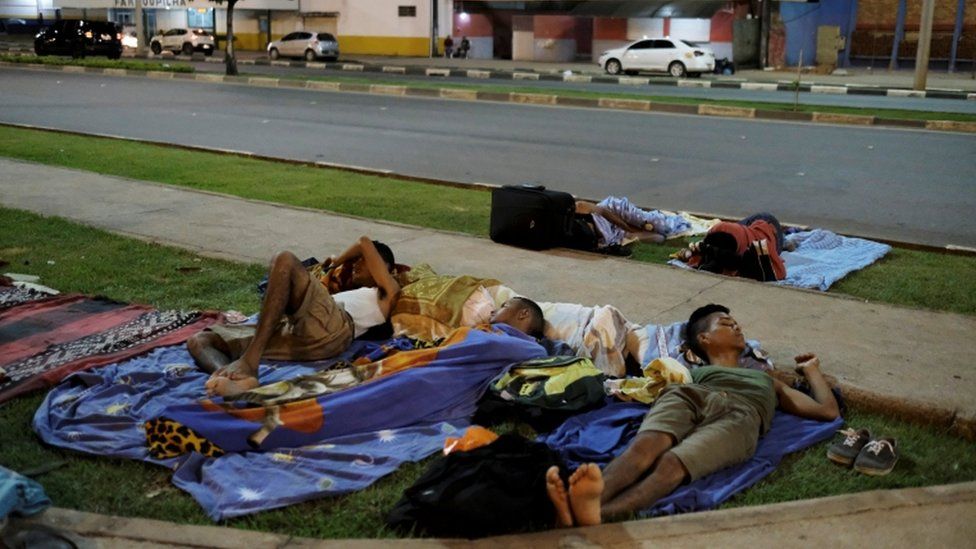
(287,282)
(585,489)
(627,468)
(667,475)
(209,351)
(560,500)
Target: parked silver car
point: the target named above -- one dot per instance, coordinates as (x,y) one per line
(310,45)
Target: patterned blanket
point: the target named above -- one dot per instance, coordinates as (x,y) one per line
(329,444)
(44,340)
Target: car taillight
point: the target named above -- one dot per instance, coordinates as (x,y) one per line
(88,34)
(699,53)
(118,36)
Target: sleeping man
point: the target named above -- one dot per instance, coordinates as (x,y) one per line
(299,319)
(692,429)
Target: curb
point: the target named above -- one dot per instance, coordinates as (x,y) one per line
(704,109)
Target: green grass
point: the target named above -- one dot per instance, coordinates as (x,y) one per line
(96,262)
(96,62)
(903,114)
(919,279)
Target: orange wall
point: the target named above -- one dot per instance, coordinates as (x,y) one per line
(559,27)
(609,28)
(477,25)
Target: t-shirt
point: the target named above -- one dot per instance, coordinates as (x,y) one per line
(753,387)
(363,305)
(746,235)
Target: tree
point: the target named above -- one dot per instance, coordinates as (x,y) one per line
(229,60)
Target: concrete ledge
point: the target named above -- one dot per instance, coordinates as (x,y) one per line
(674,108)
(492,96)
(352,67)
(388,90)
(438,72)
(478,74)
(263,81)
(784,115)
(694,84)
(905,93)
(72,68)
(277,63)
(759,86)
(161,75)
(624,104)
(290,83)
(721,110)
(319,85)
(204,77)
(533,98)
(525,76)
(352,87)
(315,65)
(839,90)
(423,92)
(832,118)
(899,122)
(115,72)
(631,81)
(395,70)
(577,78)
(467,95)
(577,102)
(951,126)
(246,62)
(971,97)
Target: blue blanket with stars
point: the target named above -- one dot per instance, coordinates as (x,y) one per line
(103,412)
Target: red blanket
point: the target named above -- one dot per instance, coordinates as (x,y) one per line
(45,340)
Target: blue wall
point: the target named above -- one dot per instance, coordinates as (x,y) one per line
(801,21)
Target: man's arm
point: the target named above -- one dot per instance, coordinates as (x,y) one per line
(821,406)
(380,273)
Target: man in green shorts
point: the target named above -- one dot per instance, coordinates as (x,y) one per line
(693,429)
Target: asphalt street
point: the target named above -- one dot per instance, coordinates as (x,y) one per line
(914,186)
(806,98)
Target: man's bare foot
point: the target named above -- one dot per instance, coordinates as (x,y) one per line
(226,387)
(560,500)
(585,489)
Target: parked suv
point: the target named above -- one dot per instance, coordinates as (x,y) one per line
(79,38)
(184,41)
(310,45)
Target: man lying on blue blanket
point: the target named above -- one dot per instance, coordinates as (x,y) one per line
(692,429)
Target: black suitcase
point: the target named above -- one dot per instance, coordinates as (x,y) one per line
(531,216)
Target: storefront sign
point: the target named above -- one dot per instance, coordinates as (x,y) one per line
(177,4)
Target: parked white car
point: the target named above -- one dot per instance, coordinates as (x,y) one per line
(184,41)
(310,45)
(676,57)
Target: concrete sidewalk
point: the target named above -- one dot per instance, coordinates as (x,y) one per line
(912,363)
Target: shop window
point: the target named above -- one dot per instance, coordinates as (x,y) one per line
(407,11)
(201,18)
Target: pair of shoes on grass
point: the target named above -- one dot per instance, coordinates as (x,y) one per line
(875,457)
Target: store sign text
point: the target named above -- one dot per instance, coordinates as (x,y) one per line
(153,3)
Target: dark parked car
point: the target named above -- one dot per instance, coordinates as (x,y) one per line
(79,38)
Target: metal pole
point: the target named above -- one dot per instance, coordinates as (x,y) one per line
(140,30)
(899,34)
(957,34)
(433,27)
(851,23)
(764,24)
(924,44)
(796,85)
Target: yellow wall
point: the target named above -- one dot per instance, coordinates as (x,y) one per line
(384,45)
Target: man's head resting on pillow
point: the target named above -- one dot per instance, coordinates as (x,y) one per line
(711,331)
(521,313)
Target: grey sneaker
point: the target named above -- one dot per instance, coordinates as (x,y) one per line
(846,451)
(877,458)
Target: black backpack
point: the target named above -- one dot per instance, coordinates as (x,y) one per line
(492,490)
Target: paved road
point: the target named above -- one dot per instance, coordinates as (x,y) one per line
(907,185)
(859,101)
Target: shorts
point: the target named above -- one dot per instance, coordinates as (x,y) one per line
(318,330)
(712,429)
